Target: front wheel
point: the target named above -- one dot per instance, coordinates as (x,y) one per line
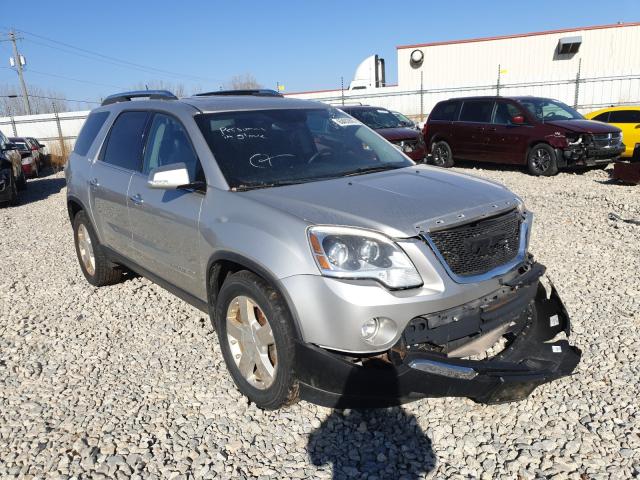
(441,154)
(256,336)
(542,160)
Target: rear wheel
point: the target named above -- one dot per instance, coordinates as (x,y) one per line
(13,196)
(22,181)
(256,337)
(441,154)
(95,265)
(542,160)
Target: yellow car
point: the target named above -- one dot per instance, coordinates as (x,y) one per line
(626,118)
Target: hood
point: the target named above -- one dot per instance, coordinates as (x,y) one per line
(584,126)
(400,133)
(400,203)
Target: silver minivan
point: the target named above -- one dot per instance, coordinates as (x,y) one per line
(333,268)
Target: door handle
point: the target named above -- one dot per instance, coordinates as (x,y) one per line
(94,182)
(492,129)
(137,199)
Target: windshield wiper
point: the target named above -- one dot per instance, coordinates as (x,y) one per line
(372,169)
(256,186)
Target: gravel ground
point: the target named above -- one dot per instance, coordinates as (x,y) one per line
(127,381)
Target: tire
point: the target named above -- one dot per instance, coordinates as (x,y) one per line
(13,199)
(441,154)
(102,271)
(22,181)
(267,392)
(542,160)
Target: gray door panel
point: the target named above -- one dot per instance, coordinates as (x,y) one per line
(165,234)
(108,186)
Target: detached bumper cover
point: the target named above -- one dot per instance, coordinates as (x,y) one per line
(530,360)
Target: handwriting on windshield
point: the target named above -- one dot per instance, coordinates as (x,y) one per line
(262,160)
(242,133)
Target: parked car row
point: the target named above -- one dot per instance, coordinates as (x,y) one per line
(544,134)
(20,158)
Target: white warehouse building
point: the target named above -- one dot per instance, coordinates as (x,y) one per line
(587,67)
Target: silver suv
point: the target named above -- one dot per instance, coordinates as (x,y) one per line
(332,267)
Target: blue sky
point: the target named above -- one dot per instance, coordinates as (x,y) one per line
(302,44)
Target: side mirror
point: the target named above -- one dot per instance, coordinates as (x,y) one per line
(10,146)
(169,177)
(517,120)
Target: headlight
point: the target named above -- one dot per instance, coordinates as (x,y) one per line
(353,253)
(520,205)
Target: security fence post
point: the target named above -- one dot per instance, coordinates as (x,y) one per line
(577,94)
(421,96)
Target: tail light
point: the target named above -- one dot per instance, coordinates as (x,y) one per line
(424,135)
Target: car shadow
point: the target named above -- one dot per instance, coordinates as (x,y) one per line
(371,442)
(40,189)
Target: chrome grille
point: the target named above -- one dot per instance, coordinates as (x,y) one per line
(606,140)
(479,247)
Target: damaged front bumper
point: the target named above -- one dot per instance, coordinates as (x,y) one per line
(533,355)
(588,153)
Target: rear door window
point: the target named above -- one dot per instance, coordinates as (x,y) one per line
(446,111)
(124,145)
(89,131)
(624,116)
(476,111)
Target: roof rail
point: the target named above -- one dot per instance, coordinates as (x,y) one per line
(150,94)
(257,92)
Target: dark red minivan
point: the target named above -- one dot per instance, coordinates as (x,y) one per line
(542,133)
(383,121)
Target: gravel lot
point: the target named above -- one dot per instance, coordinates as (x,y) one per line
(127,381)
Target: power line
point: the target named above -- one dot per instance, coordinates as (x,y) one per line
(111,59)
(30,70)
(52,98)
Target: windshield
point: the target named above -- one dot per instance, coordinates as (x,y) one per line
(376,118)
(550,110)
(264,148)
(21,145)
(404,120)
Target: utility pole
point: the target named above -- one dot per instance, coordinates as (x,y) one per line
(18,62)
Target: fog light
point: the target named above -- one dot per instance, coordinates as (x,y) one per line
(370,328)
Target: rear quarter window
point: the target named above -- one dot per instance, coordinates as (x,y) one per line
(446,111)
(89,131)
(603,117)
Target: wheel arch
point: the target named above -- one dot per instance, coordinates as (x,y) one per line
(223,263)
(74,205)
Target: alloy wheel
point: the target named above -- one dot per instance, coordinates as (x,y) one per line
(541,160)
(86,250)
(251,342)
(440,155)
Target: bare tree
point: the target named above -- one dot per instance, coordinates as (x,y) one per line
(242,81)
(178,89)
(41,101)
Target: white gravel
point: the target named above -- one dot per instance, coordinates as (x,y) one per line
(128,381)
